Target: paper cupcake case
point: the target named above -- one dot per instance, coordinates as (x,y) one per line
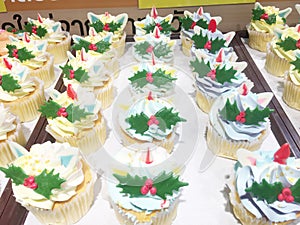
(291,94)
(105,94)
(259,40)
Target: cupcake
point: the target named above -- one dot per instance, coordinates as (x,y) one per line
(145,200)
(105,23)
(100,47)
(19,92)
(155,46)
(215,76)
(263,22)
(157,78)
(147,25)
(210,42)
(75,117)
(151,120)
(238,120)
(59,41)
(10,130)
(264,187)
(282,49)
(89,72)
(291,88)
(189,21)
(33,55)
(52,181)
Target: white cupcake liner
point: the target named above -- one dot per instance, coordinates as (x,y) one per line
(59,50)
(105,94)
(291,94)
(204,101)
(258,40)
(274,64)
(119,45)
(186,44)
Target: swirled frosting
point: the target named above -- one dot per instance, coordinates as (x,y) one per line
(65,128)
(258,166)
(18,72)
(235,130)
(262,25)
(7,122)
(64,159)
(294,73)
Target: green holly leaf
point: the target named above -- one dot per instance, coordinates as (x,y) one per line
(9,84)
(130,185)
(200,67)
(38,30)
(265,191)
(161,49)
(167,118)
(229,111)
(253,117)
(288,44)
(223,75)
(199,40)
(296,191)
(81,44)
(101,46)
(217,44)
(187,22)
(139,79)
(22,54)
(257,13)
(99,26)
(14,30)
(138,123)
(271,19)
(47,181)
(141,49)
(80,74)
(76,113)
(50,109)
(15,173)
(166,27)
(296,63)
(166,184)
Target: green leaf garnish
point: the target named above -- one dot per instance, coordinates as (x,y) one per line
(50,109)
(37,30)
(200,67)
(165,25)
(288,44)
(9,84)
(76,113)
(102,46)
(186,23)
(80,74)
(22,54)
(167,118)
(138,123)
(15,173)
(99,26)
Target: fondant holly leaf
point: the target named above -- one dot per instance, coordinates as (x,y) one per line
(37,30)
(271,19)
(265,190)
(166,184)
(296,191)
(199,40)
(47,181)
(161,49)
(167,118)
(253,117)
(139,79)
(14,30)
(9,84)
(165,27)
(130,185)
(15,173)
(76,113)
(288,44)
(50,109)
(138,122)
(229,111)
(80,74)
(225,75)
(22,54)
(141,48)
(200,67)
(100,27)
(100,47)
(257,13)
(187,23)
(217,44)
(296,63)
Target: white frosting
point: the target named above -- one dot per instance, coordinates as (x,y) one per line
(7,122)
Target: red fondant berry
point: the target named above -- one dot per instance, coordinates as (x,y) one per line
(207,45)
(298,43)
(289,199)
(286,191)
(106,27)
(193,25)
(144,190)
(149,183)
(153,191)
(280,197)
(264,16)
(150,49)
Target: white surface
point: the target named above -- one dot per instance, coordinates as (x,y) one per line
(204,201)
(275,83)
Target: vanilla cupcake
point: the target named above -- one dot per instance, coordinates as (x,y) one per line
(145,200)
(90,73)
(152,120)
(215,76)
(74,116)
(189,21)
(291,88)
(282,50)
(238,120)
(59,41)
(154,46)
(105,23)
(22,94)
(263,22)
(52,181)
(10,130)
(33,55)
(264,187)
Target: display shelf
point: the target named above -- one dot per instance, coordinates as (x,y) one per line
(205,199)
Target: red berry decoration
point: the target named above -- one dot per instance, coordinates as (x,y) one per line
(264,16)
(72,75)
(193,25)
(144,190)
(282,154)
(93,47)
(62,112)
(30,182)
(106,27)
(153,191)
(149,77)
(150,49)
(286,195)
(0,80)
(212,26)
(149,183)
(241,117)
(207,45)
(298,43)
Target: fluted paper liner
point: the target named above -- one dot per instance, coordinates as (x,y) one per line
(119,45)
(258,40)
(186,44)
(204,101)
(59,50)
(291,94)
(105,94)
(274,64)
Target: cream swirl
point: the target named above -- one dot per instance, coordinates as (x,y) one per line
(7,122)
(62,158)
(258,166)
(294,75)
